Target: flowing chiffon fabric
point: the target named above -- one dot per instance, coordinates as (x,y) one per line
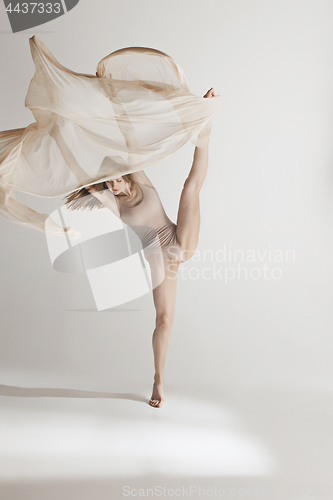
(87,129)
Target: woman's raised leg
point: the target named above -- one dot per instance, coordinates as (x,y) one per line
(188,218)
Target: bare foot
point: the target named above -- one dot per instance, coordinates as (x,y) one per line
(210,93)
(157,398)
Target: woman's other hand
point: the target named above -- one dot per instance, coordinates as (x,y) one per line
(210,93)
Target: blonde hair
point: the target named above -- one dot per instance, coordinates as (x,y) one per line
(81,199)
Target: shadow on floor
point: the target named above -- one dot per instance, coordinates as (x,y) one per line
(41,392)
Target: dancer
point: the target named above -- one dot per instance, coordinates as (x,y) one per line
(100,132)
(135,201)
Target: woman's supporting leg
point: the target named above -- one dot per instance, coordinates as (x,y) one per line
(164,296)
(188,219)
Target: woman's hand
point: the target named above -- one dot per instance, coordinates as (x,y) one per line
(210,93)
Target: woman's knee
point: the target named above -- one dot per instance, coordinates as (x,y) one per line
(164,321)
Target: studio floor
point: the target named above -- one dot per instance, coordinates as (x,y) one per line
(259,443)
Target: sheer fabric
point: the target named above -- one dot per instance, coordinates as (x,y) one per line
(88,128)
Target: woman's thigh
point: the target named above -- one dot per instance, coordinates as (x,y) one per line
(188,219)
(164,295)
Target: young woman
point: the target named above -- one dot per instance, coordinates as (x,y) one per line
(135,201)
(136,111)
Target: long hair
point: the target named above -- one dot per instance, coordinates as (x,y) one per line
(81,199)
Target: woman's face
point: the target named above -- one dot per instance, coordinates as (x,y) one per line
(117,185)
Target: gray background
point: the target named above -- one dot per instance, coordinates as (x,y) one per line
(269,185)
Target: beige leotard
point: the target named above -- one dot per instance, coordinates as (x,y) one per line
(150,222)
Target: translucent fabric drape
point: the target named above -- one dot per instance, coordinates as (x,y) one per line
(89,128)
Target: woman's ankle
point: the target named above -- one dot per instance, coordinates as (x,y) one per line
(158,379)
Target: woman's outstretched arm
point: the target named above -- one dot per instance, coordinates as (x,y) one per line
(199,166)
